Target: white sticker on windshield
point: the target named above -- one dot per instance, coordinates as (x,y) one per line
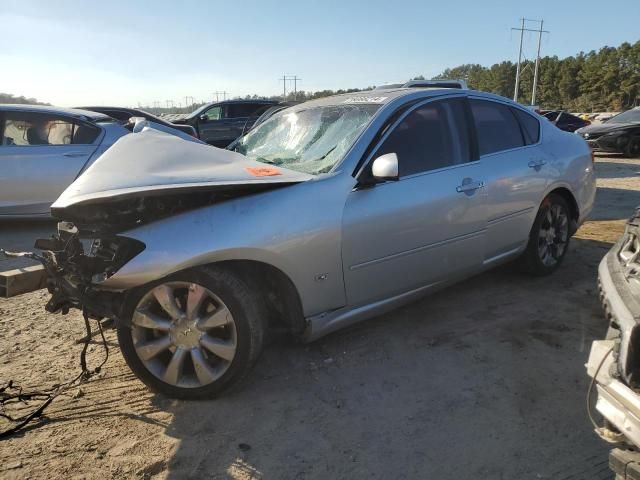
(365,100)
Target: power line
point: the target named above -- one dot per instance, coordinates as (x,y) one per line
(295,79)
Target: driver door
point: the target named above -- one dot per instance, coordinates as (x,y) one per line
(429,225)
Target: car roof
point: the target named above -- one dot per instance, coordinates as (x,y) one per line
(385,96)
(72,112)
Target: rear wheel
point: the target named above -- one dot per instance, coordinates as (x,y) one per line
(194,334)
(549,237)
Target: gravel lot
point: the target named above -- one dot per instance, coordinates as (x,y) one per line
(485,380)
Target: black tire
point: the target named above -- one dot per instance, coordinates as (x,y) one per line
(248,313)
(633,148)
(533,261)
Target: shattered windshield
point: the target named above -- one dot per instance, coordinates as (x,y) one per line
(310,141)
(630,116)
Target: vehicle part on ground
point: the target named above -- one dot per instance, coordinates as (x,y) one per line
(12,393)
(296,227)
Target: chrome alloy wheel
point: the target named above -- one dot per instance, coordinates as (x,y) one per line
(184,334)
(553,235)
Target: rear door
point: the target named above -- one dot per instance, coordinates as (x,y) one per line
(429,225)
(40,155)
(516,173)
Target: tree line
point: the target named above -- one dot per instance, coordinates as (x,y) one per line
(603,80)
(607,79)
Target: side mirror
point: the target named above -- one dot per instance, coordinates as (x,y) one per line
(203,118)
(385,167)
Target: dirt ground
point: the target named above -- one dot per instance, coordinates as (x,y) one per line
(485,380)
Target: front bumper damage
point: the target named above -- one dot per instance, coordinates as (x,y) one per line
(614,363)
(76,266)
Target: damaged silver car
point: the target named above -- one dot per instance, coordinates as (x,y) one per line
(614,363)
(329,212)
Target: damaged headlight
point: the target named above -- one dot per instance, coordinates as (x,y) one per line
(88,260)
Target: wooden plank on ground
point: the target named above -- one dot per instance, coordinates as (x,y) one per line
(22,280)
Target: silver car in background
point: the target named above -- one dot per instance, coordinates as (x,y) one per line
(43,150)
(329,212)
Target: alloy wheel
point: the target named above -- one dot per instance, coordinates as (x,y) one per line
(553,235)
(184,334)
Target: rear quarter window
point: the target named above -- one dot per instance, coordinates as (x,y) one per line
(496,126)
(530,126)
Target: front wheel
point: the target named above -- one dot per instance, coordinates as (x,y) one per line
(194,334)
(549,237)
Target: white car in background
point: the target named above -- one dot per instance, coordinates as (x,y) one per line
(43,150)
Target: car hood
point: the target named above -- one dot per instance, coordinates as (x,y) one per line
(606,128)
(157,163)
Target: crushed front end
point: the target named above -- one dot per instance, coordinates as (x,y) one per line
(77,262)
(614,363)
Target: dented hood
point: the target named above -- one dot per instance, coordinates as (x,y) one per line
(153,162)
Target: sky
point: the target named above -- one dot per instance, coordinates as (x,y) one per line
(119,52)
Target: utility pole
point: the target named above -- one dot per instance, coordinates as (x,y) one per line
(515,93)
(535,72)
(295,80)
(295,86)
(522,29)
(217,93)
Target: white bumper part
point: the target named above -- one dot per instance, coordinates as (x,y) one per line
(619,404)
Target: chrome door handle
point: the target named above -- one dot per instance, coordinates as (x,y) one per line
(536,163)
(75,154)
(469,187)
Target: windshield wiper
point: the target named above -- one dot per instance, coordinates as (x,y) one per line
(323,156)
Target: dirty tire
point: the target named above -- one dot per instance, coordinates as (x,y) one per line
(249,318)
(531,260)
(633,148)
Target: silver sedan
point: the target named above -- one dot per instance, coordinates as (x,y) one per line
(329,212)
(43,150)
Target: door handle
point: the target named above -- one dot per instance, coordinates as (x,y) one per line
(536,163)
(75,154)
(469,187)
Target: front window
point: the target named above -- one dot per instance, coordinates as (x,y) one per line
(311,141)
(630,116)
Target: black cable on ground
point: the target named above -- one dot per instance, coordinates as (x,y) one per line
(47,396)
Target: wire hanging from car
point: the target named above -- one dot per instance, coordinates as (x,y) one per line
(12,393)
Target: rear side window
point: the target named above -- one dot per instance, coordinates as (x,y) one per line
(85,134)
(496,127)
(241,110)
(530,126)
(433,136)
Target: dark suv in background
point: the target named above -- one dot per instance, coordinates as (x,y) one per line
(220,123)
